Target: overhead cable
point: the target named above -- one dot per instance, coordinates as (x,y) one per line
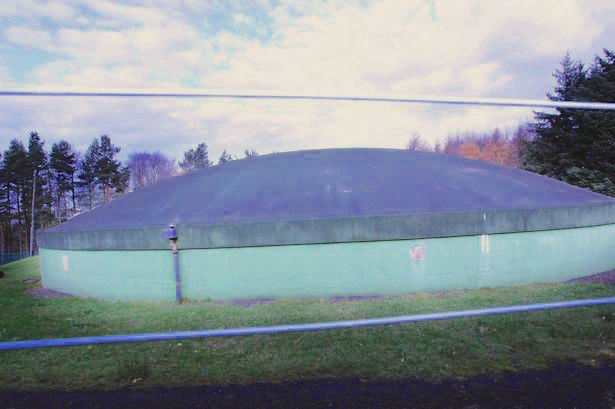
(504,102)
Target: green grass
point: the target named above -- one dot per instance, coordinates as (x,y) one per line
(430,350)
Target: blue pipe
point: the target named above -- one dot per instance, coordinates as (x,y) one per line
(274,329)
(178,294)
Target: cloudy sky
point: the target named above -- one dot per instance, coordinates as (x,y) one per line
(482,48)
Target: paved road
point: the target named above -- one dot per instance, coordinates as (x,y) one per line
(562,386)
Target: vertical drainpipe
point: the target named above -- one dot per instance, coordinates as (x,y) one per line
(170,233)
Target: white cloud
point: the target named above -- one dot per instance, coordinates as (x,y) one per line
(241,19)
(6,79)
(35,9)
(398,47)
(472,48)
(29,37)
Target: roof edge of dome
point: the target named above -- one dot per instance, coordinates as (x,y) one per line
(338,230)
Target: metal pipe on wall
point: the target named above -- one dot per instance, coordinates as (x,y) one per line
(178,293)
(170,233)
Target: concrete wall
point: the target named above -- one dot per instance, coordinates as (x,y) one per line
(321,270)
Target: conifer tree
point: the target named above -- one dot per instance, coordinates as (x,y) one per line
(86,178)
(225,157)
(99,169)
(63,163)
(109,172)
(16,177)
(195,159)
(573,145)
(37,161)
(250,154)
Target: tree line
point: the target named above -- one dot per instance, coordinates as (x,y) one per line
(503,148)
(50,186)
(572,145)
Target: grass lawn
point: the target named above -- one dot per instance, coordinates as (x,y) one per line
(430,350)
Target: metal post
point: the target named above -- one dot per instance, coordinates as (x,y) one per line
(178,295)
(170,233)
(33,217)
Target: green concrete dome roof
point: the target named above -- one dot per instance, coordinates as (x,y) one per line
(334,195)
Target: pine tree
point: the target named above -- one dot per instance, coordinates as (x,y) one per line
(120,180)
(250,154)
(595,168)
(86,178)
(63,163)
(16,177)
(573,145)
(109,173)
(37,158)
(225,157)
(195,159)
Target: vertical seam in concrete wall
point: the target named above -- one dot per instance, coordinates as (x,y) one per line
(484,243)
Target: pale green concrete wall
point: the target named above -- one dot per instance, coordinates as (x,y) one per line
(110,275)
(321,270)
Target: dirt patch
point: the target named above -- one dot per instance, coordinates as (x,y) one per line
(354,298)
(31,281)
(608,278)
(249,303)
(263,301)
(560,386)
(45,293)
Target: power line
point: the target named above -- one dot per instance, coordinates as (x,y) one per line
(505,102)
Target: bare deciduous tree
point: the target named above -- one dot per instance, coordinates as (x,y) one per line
(492,147)
(416,143)
(147,168)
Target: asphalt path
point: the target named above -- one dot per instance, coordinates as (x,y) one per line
(560,386)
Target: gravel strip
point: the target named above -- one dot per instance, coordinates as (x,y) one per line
(45,293)
(608,277)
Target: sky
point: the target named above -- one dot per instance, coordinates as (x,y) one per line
(471,48)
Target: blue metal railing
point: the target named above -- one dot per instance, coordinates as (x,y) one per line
(276,329)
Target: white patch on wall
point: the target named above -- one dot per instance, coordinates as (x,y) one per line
(417,253)
(65,263)
(484,243)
